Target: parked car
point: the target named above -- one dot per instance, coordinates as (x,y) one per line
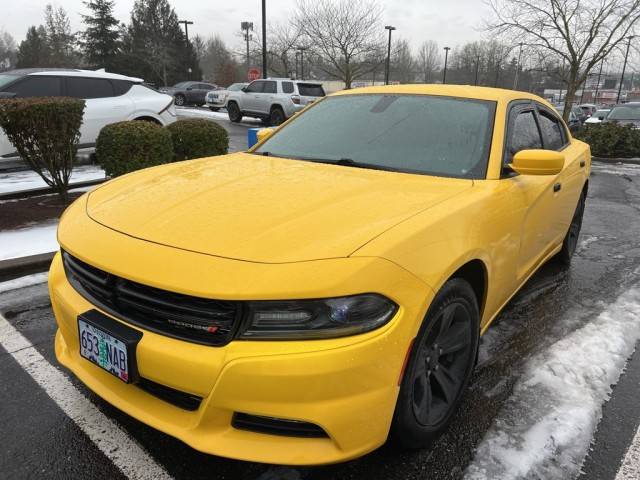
(625,114)
(296,303)
(589,109)
(217,99)
(598,116)
(273,100)
(109,98)
(580,115)
(189,93)
(574,124)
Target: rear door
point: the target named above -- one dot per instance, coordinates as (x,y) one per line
(102,105)
(309,92)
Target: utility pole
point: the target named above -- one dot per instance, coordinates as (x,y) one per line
(264,38)
(388,64)
(301,50)
(446,58)
(624,67)
(186,24)
(247,28)
(515,80)
(477,69)
(595,98)
(561,82)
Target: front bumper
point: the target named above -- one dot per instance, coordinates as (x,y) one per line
(347,386)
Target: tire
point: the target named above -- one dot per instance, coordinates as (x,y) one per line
(441,363)
(235,115)
(570,241)
(276,117)
(180,100)
(214,109)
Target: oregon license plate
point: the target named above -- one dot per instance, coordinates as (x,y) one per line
(102,343)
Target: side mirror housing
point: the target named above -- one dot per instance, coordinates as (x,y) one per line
(264,133)
(538,162)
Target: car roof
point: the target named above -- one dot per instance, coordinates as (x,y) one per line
(72,72)
(461,91)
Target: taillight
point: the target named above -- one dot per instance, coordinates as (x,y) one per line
(295,99)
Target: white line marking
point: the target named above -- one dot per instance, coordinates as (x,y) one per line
(125,453)
(630,468)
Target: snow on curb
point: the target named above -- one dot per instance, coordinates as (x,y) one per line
(22,282)
(27,241)
(545,428)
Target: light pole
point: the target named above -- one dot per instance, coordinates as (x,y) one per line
(264,38)
(624,67)
(595,97)
(387,66)
(247,28)
(186,36)
(446,58)
(475,82)
(515,80)
(301,50)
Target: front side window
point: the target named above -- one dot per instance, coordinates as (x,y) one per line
(433,135)
(551,129)
(255,87)
(523,134)
(7,79)
(88,88)
(37,86)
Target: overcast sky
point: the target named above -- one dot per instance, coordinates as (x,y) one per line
(449,22)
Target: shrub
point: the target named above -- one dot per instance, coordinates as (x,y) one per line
(125,147)
(611,140)
(45,132)
(197,138)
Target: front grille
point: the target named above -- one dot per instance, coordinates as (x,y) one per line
(276,426)
(180,399)
(195,319)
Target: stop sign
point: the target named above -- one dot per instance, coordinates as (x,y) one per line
(254,74)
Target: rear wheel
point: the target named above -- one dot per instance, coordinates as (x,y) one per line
(440,366)
(235,115)
(276,116)
(180,100)
(570,242)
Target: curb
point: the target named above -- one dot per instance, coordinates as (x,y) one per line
(19,267)
(34,192)
(616,161)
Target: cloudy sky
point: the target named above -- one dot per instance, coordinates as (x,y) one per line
(449,22)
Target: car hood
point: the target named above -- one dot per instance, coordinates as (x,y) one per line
(264,209)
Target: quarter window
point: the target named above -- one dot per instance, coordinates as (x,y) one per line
(287,87)
(89,87)
(524,134)
(37,86)
(551,131)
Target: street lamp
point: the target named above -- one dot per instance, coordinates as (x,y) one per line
(186,36)
(386,70)
(247,28)
(477,69)
(624,67)
(446,58)
(264,38)
(595,97)
(301,50)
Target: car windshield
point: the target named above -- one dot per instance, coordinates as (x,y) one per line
(601,113)
(434,135)
(6,79)
(625,112)
(235,87)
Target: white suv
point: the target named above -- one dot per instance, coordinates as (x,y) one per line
(109,98)
(273,100)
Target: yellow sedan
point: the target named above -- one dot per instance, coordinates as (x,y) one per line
(301,302)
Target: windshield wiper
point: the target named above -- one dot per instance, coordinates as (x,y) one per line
(349,162)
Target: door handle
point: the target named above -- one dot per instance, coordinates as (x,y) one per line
(582,163)
(557,187)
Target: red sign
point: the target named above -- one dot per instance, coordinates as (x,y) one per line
(254,74)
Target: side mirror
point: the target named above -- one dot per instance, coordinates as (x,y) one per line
(538,162)
(264,133)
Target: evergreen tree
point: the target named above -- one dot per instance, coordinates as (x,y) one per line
(34,50)
(155,46)
(101,38)
(60,39)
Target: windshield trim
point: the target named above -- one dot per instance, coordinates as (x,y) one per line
(481,175)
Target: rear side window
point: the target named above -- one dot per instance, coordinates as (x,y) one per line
(120,87)
(270,87)
(310,90)
(37,86)
(551,131)
(287,87)
(89,87)
(524,134)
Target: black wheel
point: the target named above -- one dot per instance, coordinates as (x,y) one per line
(214,109)
(180,100)
(277,116)
(442,360)
(570,242)
(235,115)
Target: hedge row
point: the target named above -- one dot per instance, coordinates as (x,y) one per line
(128,146)
(611,140)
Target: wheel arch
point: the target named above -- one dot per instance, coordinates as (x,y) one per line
(148,118)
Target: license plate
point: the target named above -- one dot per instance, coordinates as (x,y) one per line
(108,344)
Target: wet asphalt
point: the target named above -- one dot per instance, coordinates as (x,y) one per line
(39,440)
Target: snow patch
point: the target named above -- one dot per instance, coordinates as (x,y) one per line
(545,428)
(28,179)
(22,242)
(22,282)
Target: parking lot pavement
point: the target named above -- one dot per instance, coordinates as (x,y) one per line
(575,326)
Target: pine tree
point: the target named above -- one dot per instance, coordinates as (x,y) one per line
(101,38)
(60,39)
(34,50)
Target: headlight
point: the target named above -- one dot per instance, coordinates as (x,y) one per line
(322,318)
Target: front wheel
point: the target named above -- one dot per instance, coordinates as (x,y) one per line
(440,366)
(570,242)
(235,115)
